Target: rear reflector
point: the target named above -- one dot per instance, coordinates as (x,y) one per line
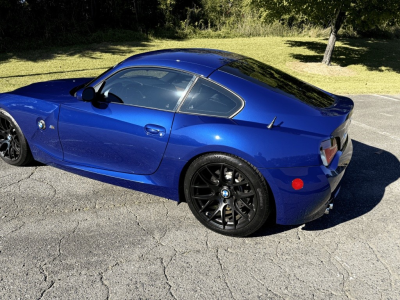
(328,150)
(297,184)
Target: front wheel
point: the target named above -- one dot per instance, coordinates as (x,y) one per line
(14,148)
(227,194)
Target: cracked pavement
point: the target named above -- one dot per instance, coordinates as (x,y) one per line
(63,236)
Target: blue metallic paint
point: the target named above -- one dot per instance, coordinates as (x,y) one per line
(202,62)
(113,137)
(291,113)
(193,135)
(26,111)
(320,185)
(287,151)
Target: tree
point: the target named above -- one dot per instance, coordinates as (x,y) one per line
(361,14)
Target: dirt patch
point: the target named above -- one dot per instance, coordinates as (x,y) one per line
(320,69)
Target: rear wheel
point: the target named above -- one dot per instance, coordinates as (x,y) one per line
(227,194)
(14,148)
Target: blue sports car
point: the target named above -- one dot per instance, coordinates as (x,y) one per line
(238,140)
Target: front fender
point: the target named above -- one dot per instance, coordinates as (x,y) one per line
(27,112)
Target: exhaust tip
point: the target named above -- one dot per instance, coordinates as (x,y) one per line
(330,206)
(327,211)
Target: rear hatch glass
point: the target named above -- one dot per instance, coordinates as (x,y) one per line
(267,76)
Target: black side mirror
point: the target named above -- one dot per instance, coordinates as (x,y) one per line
(88,94)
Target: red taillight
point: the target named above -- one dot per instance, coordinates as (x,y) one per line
(328,150)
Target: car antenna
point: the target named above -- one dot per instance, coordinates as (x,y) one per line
(271,124)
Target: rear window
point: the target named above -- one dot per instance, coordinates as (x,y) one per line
(270,77)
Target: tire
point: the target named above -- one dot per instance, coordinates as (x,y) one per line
(14,148)
(227,194)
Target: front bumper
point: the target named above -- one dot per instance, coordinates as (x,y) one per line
(321,186)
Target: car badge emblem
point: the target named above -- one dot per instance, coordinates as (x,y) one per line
(42,125)
(225,193)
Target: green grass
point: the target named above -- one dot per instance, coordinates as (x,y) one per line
(361,66)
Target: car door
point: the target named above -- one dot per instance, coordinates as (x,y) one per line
(127,128)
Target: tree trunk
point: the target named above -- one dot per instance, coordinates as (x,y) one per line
(335,27)
(136,14)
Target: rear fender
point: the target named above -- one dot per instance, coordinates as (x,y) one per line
(277,147)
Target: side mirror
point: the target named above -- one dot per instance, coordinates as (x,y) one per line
(88,94)
(78,94)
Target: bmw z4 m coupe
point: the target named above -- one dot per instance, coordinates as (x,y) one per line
(238,140)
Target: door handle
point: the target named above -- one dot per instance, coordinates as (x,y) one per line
(152,129)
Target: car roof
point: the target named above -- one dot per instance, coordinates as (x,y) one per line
(196,60)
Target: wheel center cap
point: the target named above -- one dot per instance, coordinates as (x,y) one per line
(225,193)
(9,137)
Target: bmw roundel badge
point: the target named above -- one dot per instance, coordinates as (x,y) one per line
(225,193)
(42,125)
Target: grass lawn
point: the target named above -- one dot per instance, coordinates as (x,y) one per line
(359,66)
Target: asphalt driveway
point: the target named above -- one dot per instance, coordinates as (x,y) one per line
(63,236)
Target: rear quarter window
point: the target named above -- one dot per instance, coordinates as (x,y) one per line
(210,99)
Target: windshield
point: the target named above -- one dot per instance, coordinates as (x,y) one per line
(78,87)
(94,79)
(270,77)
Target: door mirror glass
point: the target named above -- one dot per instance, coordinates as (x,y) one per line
(88,94)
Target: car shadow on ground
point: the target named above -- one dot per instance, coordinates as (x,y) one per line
(376,55)
(80,51)
(55,72)
(370,171)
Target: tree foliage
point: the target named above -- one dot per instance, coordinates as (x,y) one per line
(71,21)
(55,19)
(361,14)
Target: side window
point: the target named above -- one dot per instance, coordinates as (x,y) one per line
(147,87)
(207,98)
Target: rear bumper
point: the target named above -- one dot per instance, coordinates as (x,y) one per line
(321,186)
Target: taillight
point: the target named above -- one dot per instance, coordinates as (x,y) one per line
(328,150)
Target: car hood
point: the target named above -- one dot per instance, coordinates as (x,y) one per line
(54,91)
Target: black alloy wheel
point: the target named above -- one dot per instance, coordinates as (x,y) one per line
(227,194)
(14,149)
